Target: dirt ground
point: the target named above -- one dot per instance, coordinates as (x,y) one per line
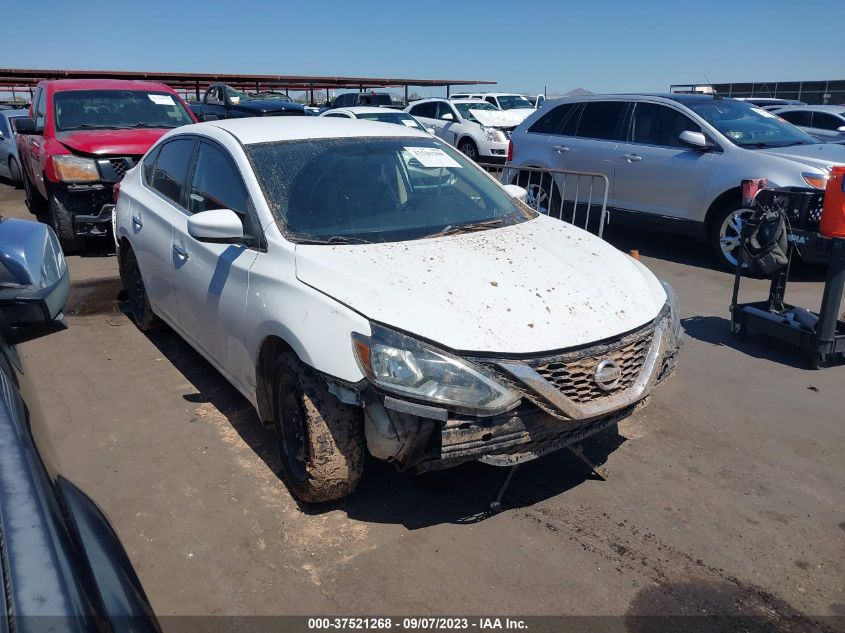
(725,494)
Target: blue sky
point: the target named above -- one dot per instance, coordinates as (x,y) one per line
(611,46)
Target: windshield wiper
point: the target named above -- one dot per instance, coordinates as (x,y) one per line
(145,125)
(469,227)
(334,239)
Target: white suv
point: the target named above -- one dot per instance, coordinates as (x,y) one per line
(477,128)
(674,161)
(367,287)
(504,101)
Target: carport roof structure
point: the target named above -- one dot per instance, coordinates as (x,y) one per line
(25,79)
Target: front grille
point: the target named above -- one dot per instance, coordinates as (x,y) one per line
(575,378)
(122,165)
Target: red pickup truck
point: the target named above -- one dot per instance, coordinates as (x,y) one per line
(81,136)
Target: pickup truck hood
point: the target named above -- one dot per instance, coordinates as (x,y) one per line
(532,287)
(822,155)
(500,118)
(267,105)
(111,142)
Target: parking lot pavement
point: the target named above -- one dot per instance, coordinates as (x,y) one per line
(725,495)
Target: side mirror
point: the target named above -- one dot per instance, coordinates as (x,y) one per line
(34,280)
(26,125)
(447,117)
(841,128)
(694,139)
(218,225)
(515,191)
(208,117)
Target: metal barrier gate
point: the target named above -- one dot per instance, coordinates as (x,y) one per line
(577,197)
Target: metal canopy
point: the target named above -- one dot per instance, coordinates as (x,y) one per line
(25,79)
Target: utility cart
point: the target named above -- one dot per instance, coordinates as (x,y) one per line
(821,335)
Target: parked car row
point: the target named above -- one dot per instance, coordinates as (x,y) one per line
(824,122)
(10,162)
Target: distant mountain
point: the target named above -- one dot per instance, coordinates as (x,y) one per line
(578,92)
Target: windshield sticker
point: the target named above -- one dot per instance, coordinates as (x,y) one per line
(765,113)
(432,157)
(162,99)
(409,123)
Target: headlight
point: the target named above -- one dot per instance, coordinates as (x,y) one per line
(675,333)
(71,168)
(817,181)
(407,367)
(494,135)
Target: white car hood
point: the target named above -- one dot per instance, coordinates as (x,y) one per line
(500,118)
(537,286)
(822,155)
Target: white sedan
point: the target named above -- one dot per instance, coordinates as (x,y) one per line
(367,287)
(382,115)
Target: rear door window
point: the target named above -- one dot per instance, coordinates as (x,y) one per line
(797,117)
(655,124)
(558,120)
(427,110)
(171,169)
(826,121)
(602,120)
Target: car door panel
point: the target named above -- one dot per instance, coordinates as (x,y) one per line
(212,279)
(655,173)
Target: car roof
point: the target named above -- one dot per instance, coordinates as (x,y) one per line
(365,110)
(105,84)
(252,130)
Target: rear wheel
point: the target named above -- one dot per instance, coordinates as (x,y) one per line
(543,195)
(62,222)
(36,204)
(726,233)
(468,147)
(139,305)
(319,439)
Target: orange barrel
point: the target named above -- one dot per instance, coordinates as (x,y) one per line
(833,211)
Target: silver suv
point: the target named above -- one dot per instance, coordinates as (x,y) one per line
(674,161)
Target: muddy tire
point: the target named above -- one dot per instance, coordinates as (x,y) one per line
(34,202)
(14,172)
(139,305)
(469,148)
(320,440)
(62,222)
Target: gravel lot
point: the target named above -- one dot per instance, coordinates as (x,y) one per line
(725,495)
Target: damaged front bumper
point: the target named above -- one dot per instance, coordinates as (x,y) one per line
(562,404)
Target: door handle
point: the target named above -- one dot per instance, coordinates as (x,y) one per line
(632,158)
(560,149)
(136,220)
(180,251)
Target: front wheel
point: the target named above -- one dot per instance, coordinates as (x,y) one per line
(36,204)
(726,234)
(468,148)
(320,441)
(14,172)
(62,222)
(543,195)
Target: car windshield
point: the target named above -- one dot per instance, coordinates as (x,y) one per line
(749,126)
(378,189)
(510,102)
(117,109)
(237,94)
(400,118)
(464,109)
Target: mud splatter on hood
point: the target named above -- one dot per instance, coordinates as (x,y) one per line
(536,286)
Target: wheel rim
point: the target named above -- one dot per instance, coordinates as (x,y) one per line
(538,198)
(137,295)
(291,435)
(730,233)
(469,150)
